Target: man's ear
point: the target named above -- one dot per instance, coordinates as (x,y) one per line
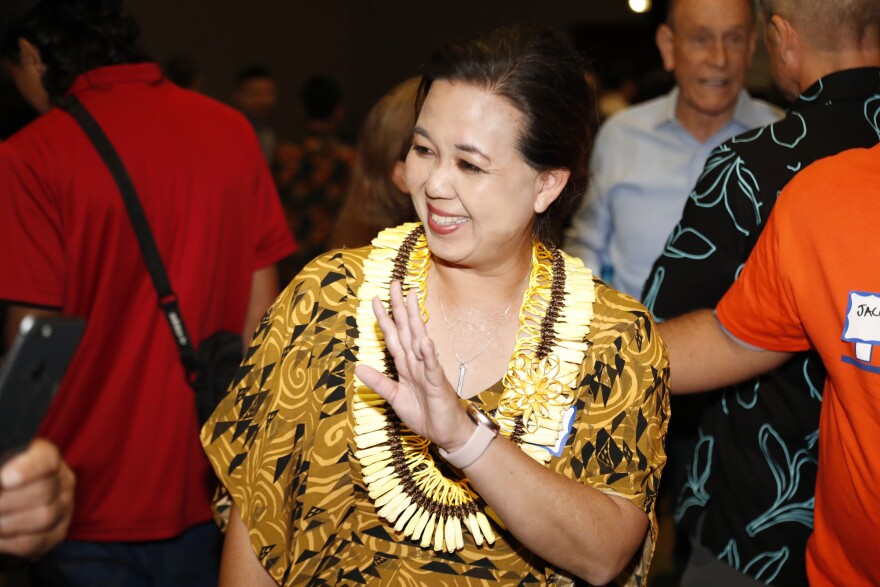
(30,56)
(551,184)
(788,41)
(665,43)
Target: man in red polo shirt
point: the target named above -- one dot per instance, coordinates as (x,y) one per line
(811,282)
(125,417)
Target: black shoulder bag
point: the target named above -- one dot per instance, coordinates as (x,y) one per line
(212,367)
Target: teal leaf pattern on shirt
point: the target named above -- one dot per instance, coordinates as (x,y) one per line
(872,113)
(815,389)
(694,491)
(749,136)
(726,176)
(651,295)
(811,439)
(792,136)
(820,86)
(745,397)
(786,470)
(730,554)
(687,243)
(764,567)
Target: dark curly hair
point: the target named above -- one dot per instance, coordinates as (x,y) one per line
(542,77)
(73,37)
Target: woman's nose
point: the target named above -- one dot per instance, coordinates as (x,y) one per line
(439,185)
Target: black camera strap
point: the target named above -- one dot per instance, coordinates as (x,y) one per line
(155,266)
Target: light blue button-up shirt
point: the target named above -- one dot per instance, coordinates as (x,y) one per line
(644,165)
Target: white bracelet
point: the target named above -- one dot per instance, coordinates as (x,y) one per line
(479,441)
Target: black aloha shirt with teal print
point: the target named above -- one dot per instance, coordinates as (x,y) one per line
(752,478)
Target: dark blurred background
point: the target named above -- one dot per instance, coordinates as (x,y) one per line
(370,45)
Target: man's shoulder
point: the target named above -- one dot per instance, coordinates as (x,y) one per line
(789,138)
(40,138)
(829,169)
(757,142)
(846,179)
(191,106)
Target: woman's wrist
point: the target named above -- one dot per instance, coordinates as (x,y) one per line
(460,431)
(483,431)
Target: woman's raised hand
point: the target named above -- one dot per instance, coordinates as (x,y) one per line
(422,397)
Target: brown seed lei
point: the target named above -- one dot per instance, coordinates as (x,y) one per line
(420,479)
(396,427)
(548,337)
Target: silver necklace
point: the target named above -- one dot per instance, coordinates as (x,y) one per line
(463,365)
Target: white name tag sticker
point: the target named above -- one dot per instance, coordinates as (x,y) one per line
(862,326)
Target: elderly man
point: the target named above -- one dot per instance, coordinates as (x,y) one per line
(825,55)
(648,157)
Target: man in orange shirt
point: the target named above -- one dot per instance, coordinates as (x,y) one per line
(812,281)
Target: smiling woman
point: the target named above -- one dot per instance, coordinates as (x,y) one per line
(476,195)
(348,454)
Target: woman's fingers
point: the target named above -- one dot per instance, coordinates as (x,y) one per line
(406,338)
(395,329)
(423,346)
(434,374)
(378,382)
(416,325)
(401,319)
(388,327)
(421,388)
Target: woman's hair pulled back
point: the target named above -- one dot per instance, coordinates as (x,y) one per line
(542,76)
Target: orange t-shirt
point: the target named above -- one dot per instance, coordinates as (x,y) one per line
(813,280)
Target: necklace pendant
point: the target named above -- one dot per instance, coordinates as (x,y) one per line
(462,369)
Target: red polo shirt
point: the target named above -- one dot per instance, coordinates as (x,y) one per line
(125,418)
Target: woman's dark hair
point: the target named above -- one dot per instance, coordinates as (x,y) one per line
(73,37)
(542,77)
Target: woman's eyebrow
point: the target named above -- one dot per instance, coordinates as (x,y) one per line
(467,148)
(472,149)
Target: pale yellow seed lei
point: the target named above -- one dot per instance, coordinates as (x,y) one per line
(537,394)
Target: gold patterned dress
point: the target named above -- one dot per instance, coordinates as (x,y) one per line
(283,442)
